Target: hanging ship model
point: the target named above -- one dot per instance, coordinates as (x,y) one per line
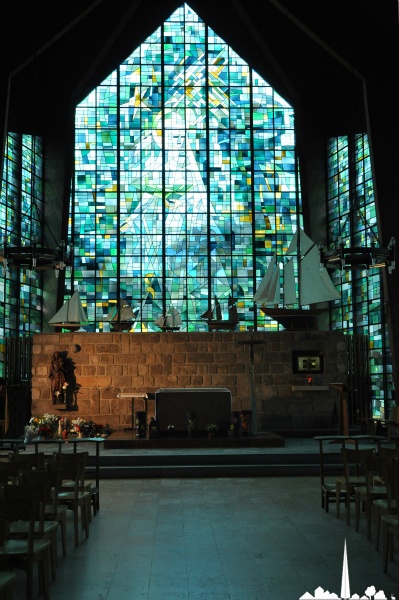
(170,321)
(122,317)
(214,318)
(71,316)
(313,286)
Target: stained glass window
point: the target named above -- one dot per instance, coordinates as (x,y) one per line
(185,181)
(352,216)
(21,219)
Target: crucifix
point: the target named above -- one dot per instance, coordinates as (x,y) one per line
(252,343)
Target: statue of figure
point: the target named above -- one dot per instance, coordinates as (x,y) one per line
(57,378)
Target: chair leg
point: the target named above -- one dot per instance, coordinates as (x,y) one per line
(86,517)
(53,555)
(43,564)
(94,501)
(348,506)
(368,518)
(29,580)
(357,511)
(64,534)
(76,525)
(337,499)
(377,521)
(385,547)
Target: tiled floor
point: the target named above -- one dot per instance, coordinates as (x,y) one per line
(216,539)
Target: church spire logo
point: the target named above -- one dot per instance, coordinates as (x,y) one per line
(369,594)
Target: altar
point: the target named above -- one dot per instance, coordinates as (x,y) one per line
(209,405)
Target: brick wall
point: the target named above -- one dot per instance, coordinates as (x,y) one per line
(104,364)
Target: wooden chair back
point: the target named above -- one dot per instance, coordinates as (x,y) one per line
(16,504)
(11,470)
(374,466)
(392,483)
(32,461)
(353,461)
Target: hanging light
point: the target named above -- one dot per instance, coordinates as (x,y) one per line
(35,257)
(363,258)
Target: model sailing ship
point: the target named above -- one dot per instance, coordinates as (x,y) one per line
(314,286)
(170,321)
(72,315)
(215,320)
(121,317)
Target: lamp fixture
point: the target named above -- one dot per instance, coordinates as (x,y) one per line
(36,257)
(358,258)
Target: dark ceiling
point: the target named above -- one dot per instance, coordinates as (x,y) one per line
(316,54)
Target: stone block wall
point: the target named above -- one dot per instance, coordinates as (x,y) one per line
(105,364)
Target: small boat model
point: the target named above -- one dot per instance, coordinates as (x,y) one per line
(71,315)
(170,321)
(215,320)
(121,317)
(313,286)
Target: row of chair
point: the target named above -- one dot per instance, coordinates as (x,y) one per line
(370,480)
(35,494)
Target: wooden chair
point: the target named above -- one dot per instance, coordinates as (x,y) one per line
(24,553)
(47,484)
(43,530)
(92,489)
(390,521)
(353,467)
(31,461)
(380,505)
(327,488)
(54,510)
(7,579)
(374,467)
(75,497)
(11,470)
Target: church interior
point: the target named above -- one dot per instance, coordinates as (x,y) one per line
(258,379)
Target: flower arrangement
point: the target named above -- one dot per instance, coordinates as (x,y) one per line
(212,427)
(44,426)
(52,425)
(77,425)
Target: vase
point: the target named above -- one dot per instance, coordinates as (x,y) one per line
(80,434)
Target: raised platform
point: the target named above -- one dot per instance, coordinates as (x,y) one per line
(128,439)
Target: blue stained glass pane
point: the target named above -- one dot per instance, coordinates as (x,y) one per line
(184,156)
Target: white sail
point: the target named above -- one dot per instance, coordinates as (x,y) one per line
(171,319)
(290,296)
(161,321)
(268,291)
(314,284)
(123,313)
(71,312)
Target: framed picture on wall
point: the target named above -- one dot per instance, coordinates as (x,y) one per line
(307,362)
